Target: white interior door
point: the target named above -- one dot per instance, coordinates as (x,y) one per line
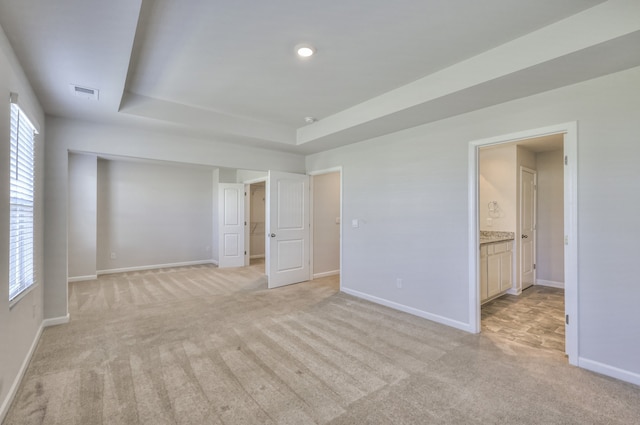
(287,219)
(527,227)
(231,224)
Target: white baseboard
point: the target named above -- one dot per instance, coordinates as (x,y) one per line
(156,266)
(401,307)
(54,321)
(4,407)
(6,403)
(614,372)
(326,274)
(550,283)
(82,278)
(255,257)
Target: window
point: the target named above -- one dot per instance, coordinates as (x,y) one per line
(21,270)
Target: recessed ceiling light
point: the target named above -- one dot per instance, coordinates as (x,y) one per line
(305,50)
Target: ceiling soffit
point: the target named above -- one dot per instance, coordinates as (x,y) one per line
(530,64)
(227,70)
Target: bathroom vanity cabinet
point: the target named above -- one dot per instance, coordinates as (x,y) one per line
(496,269)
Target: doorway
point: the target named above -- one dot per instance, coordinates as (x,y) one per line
(514,304)
(326,227)
(255,230)
(324,210)
(526,311)
(286,226)
(568,232)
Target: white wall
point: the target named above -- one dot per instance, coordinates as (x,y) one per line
(64,135)
(243,176)
(153,214)
(227,175)
(326,231)
(20,324)
(410,189)
(497,181)
(550,243)
(148,214)
(83,184)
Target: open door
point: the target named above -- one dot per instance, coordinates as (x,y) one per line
(527,227)
(287,219)
(231,225)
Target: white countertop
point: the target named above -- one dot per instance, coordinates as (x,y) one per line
(491,236)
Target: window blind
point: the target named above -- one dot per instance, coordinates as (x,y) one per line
(21,193)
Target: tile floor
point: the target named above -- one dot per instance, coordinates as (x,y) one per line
(534,318)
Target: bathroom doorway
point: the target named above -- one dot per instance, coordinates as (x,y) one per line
(548,152)
(515,304)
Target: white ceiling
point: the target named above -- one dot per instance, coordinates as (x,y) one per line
(227,69)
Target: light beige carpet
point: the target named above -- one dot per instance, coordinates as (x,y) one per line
(199,345)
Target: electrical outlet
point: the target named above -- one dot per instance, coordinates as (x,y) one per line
(399,283)
(113,255)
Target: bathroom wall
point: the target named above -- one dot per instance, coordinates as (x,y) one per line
(498,188)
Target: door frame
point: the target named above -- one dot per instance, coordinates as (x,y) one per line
(317,173)
(535,224)
(570,152)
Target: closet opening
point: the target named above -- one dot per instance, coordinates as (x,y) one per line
(255,229)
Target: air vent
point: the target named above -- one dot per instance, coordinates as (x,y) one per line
(84,92)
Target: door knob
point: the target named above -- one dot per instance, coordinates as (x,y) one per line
(273,235)
(524,236)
